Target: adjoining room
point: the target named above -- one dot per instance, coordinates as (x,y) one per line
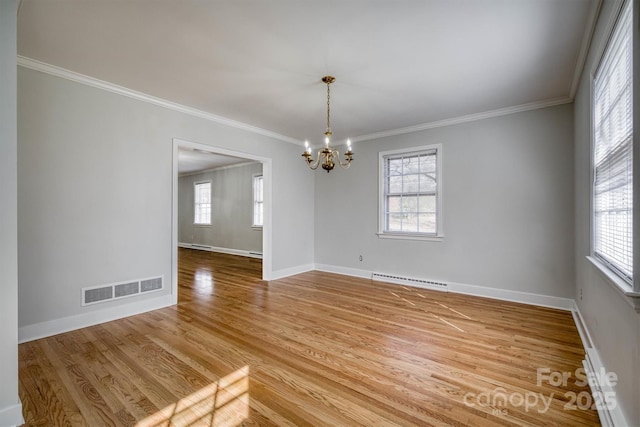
(257,213)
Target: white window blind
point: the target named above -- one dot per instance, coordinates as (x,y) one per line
(258,201)
(202,204)
(613,152)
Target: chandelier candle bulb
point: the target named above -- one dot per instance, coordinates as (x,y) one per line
(328,155)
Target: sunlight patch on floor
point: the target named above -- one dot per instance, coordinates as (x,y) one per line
(222,403)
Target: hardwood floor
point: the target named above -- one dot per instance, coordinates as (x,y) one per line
(312,349)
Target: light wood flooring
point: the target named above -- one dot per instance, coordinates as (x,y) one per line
(313,349)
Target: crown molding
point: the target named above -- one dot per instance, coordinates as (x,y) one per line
(121,90)
(219,168)
(464,119)
(101,84)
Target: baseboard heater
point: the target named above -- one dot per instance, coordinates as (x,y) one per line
(409,281)
(197,246)
(240,252)
(114,291)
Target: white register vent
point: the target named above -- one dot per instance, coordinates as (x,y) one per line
(114,291)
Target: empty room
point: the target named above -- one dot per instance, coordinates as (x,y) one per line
(305,213)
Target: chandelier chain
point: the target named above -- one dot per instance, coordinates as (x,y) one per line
(328,107)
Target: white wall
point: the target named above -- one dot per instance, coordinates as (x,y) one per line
(508,206)
(10,407)
(95,195)
(231,209)
(612,322)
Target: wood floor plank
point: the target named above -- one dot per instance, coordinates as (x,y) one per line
(308,350)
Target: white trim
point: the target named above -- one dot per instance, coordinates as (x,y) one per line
(583,331)
(267,219)
(90,318)
(218,168)
(604,41)
(121,90)
(11,415)
(110,87)
(626,290)
(411,236)
(479,291)
(353,272)
(439,197)
(291,271)
(240,252)
(593,368)
(195,202)
(253,199)
(464,119)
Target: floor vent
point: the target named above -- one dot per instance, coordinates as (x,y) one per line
(103,293)
(410,281)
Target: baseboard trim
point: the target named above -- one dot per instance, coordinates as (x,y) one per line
(90,318)
(354,272)
(286,272)
(594,368)
(11,415)
(240,252)
(513,296)
(566,304)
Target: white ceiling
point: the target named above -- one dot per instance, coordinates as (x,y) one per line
(398,64)
(190,161)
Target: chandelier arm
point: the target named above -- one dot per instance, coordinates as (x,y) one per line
(346,165)
(313,165)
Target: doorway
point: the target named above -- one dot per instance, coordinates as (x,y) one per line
(225,158)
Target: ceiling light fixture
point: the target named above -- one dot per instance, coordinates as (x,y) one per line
(328,153)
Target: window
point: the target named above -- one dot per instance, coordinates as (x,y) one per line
(613,152)
(202,203)
(410,193)
(258,200)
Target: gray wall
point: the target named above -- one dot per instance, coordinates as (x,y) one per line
(508,206)
(9,401)
(231,209)
(95,192)
(613,323)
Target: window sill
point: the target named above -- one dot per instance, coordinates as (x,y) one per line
(202,225)
(617,283)
(408,236)
(256,227)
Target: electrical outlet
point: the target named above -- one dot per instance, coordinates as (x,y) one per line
(580,294)
(360,258)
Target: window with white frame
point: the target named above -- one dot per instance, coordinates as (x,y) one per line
(202,203)
(612,161)
(411,193)
(258,200)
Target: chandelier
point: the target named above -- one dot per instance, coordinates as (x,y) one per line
(328,156)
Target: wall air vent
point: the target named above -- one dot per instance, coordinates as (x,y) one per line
(94,295)
(125,289)
(152,284)
(409,281)
(114,291)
